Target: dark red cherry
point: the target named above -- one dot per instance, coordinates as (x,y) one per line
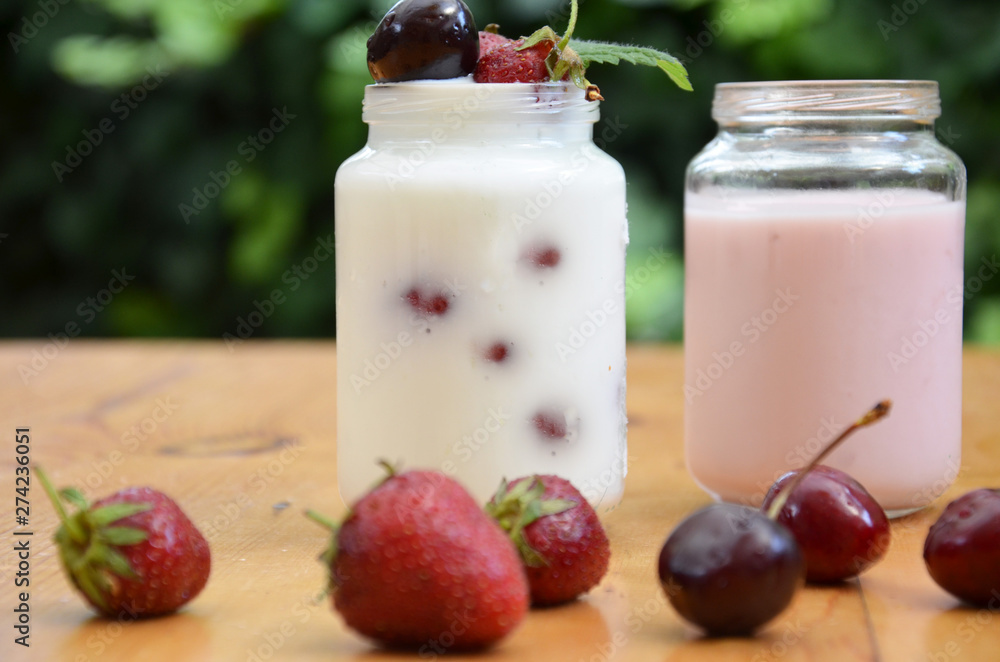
(962,550)
(840,527)
(730,569)
(424,39)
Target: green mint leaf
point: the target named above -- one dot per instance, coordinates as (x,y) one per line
(603,52)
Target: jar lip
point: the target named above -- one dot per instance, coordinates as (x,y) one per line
(768,101)
(461,99)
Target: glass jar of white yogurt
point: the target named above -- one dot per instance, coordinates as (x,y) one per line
(481,240)
(824,237)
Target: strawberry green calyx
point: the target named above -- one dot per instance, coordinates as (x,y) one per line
(571,56)
(330,553)
(516,507)
(88,541)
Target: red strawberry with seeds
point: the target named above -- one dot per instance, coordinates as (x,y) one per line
(490,40)
(417,564)
(510,63)
(134,552)
(561,541)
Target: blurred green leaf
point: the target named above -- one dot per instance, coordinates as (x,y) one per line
(985,323)
(743,21)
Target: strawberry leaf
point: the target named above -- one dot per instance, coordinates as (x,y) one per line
(330,553)
(538,36)
(73,496)
(116,563)
(123,535)
(603,52)
(93,585)
(105,515)
(515,508)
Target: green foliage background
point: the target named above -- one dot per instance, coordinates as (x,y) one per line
(225,67)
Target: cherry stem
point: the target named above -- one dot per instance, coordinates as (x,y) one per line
(874,414)
(75,532)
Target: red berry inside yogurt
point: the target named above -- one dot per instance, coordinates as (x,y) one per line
(551,424)
(428,303)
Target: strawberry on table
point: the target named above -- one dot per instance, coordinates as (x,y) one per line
(417,564)
(561,541)
(132,553)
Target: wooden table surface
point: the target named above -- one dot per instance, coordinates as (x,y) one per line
(245,441)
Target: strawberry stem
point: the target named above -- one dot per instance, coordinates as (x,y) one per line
(322,520)
(573,13)
(78,535)
(875,413)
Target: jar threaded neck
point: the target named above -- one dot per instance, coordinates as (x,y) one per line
(761,102)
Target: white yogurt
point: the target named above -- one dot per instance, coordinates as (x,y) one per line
(481,243)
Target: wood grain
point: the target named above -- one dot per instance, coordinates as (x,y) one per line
(245,440)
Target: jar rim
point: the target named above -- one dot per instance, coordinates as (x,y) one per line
(767,101)
(462,99)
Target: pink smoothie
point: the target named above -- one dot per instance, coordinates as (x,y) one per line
(804,310)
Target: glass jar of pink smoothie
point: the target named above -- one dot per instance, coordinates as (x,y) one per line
(481,238)
(824,241)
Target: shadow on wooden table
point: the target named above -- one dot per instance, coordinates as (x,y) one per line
(110,640)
